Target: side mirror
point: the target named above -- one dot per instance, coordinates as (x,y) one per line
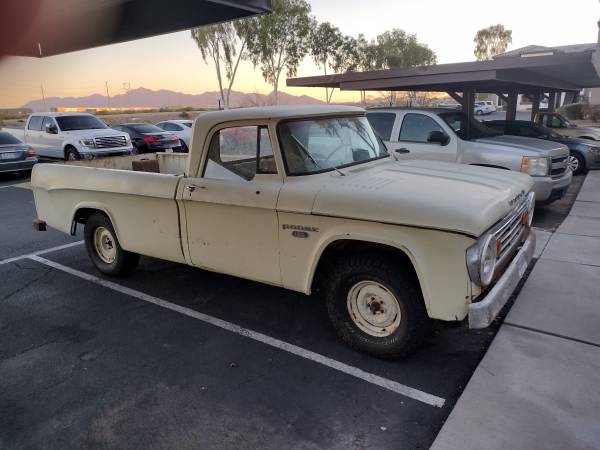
(51,128)
(438,137)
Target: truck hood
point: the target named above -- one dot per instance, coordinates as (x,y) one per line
(527,146)
(428,194)
(90,134)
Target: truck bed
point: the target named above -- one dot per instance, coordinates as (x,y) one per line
(141,205)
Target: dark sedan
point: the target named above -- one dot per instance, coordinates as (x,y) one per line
(584,154)
(147,138)
(15,156)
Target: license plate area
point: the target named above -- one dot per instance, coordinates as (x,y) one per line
(9,155)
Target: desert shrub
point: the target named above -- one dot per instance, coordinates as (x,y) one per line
(574,111)
(184,115)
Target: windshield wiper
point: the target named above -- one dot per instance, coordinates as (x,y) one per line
(307,153)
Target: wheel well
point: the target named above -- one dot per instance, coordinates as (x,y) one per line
(67,148)
(346,247)
(82,215)
(589,138)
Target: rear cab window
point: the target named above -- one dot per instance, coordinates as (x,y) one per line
(382,123)
(35,123)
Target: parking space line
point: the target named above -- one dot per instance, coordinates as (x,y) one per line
(385,383)
(40,252)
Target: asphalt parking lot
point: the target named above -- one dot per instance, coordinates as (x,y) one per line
(175,357)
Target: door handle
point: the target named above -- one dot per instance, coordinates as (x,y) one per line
(402,150)
(193,187)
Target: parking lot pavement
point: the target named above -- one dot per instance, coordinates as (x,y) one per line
(549,217)
(175,357)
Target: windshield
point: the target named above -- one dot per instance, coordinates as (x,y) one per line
(72,123)
(464,129)
(187,124)
(320,145)
(145,128)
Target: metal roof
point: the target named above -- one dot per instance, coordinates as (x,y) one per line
(50,27)
(567,71)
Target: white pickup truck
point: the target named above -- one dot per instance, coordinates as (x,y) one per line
(72,136)
(442,134)
(301,197)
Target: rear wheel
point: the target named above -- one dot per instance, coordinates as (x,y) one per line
(576,163)
(376,306)
(479,112)
(184,147)
(104,249)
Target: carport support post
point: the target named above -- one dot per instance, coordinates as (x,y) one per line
(468,106)
(511,107)
(535,104)
(551,101)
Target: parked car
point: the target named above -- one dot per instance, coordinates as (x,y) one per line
(583,154)
(71,136)
(393,244)
(564,127)
(446,135)
(484,107)
(15,155)
(181,128)
(147,138)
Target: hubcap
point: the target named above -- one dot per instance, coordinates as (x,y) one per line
(373,308)
(72,156)
(105,246)
(573,163)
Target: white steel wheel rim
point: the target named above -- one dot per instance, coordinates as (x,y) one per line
(105,245)
(373,308)
(573,163)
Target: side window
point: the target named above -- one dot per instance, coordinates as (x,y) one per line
(168,126)
(416,128)
(47,122)
(35,123)
(239,153)
(552,121)
(382,123)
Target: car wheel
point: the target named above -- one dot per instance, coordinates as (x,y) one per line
(376,308)
(184,147)
(71,154)
(104,249)
(479,112)
(576,163)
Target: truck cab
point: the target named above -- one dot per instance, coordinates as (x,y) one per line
(440,134)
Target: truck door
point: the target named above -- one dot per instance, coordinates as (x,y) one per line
(231,216)
(33,135)
(51,139)
(416,139)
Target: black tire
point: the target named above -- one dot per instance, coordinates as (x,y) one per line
(414,324)
(124,262)
(71,154)
(479,112)
(580,163)
(184,148)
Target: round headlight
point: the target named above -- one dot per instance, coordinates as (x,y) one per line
(487,262)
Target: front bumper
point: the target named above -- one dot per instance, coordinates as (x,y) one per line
(548,189)
(91,153)
(482,313)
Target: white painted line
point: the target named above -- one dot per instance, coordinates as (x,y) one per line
(40,252)
(393,386)
(7,186)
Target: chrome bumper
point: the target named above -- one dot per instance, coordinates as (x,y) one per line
(482,313)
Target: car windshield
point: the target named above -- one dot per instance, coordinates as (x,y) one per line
(8,139)
(464,129)
(72,123)
(549,132)
(320,145)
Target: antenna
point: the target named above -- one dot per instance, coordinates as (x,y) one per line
(107,94)
(44,97)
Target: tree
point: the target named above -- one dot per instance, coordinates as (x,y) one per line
(491,41)
(280,40)
(400,49)
(219,43)
(325,43)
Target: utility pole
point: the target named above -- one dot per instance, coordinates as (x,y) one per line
(44,97)
(107,94)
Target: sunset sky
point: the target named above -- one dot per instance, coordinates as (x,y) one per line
(174,62)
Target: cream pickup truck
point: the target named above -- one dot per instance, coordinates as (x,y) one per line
(308,198)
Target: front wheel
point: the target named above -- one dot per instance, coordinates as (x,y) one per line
(104,249)
(376,306)
(72,154)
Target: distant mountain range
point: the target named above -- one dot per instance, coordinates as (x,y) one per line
(143,97)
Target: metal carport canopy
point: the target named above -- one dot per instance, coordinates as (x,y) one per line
(50,27)
(551,73)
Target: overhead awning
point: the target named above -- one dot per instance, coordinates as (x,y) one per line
(550,73)
(49,27)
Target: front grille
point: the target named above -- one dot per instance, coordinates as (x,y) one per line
(559,166)
(510,232)
(110,141)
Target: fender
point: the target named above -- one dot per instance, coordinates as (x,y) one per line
(97,206)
